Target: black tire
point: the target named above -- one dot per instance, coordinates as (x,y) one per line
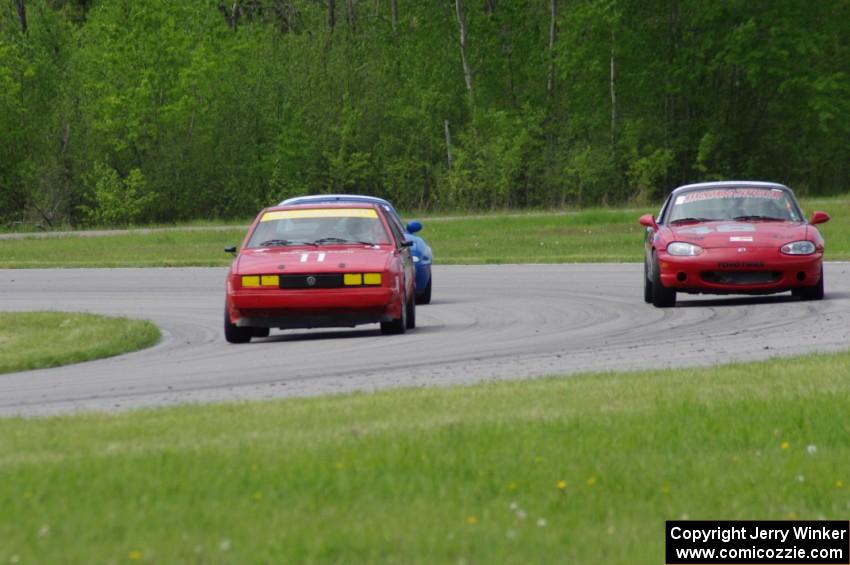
(661,297)
(647,284)
(814,292)
(399,325)
(425,296)
(411,314)
(260,332)
(235,334)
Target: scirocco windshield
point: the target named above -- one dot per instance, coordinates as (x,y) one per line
(329,226)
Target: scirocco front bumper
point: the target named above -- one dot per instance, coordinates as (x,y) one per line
(754,271)
(287,308)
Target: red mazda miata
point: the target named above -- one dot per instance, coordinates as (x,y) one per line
(733,237)
(320,265)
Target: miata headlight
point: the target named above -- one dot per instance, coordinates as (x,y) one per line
(684,249)
(798,248)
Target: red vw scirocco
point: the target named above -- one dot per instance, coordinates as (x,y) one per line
(315,266)
(732,237)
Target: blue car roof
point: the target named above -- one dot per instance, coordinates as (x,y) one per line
(336,198)
(316,198)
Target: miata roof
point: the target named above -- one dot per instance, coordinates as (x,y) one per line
(731,184)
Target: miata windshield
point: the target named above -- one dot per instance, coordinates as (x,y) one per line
(740,204)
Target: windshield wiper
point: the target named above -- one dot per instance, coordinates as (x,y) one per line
(692,220)
(754,218)
(341,240)
(282,242)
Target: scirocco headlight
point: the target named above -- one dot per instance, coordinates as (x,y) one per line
(260,281)
(682,248)
(798,248)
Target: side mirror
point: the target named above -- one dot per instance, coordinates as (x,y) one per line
(407,243)
(231,250)
(819,218)
(414,226)
(648,220)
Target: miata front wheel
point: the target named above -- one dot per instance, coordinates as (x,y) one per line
(661,297)
(814,292)
(647,284)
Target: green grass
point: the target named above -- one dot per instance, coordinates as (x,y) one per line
(593,235)
(35,227)
(586,236)
(434,475)
(178,248)
(35,340)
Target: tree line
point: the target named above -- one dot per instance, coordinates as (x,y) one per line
(130,111)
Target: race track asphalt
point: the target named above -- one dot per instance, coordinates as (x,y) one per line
(485,323)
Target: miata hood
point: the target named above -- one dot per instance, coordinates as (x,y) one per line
(313,260)
(750,234)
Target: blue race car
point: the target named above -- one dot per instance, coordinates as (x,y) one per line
(421,251)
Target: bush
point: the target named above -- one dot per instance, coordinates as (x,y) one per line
(116,200)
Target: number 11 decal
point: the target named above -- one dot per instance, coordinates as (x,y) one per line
(306,257)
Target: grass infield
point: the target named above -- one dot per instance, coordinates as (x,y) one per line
(35,340)
(570,470)
(597,235)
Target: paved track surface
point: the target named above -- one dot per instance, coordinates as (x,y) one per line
(486,322)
